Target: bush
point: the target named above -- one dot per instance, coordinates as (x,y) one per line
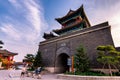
(30,69)
(116,73)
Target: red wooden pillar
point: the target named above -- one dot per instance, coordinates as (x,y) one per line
(8,65)
(72,69)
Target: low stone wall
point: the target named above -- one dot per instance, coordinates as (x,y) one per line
(106,71)
(76,77)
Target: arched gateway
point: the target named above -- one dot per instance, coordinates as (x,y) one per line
(63,54)
(62,63)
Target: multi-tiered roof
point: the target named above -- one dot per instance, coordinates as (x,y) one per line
(72,21)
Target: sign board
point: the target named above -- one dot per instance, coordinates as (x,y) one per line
(69,62)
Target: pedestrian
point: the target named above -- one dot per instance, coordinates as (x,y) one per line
(23,71)
(38,72)
(12,74)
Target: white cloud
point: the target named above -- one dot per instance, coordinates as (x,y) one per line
(14,3)
(9,30)
(34,24)
(26,30)
(35,17)
(21,49)
(107,12)
(115,23)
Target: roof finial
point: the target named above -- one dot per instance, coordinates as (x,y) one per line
(82,5)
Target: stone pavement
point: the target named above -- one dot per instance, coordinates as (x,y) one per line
(15,75)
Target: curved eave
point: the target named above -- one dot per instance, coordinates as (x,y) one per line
(48,35)
(56,31)
(10,54)
(13,54)
(5,52)
(86,18)
(79,9)
(67,15)
(59,30)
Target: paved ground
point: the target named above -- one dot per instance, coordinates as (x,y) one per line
(15,75)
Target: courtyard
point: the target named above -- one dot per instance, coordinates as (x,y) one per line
(4,75)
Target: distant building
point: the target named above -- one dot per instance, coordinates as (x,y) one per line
(7,58)
(76,30)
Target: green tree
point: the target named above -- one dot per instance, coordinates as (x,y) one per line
(38,60)
(81,61)
(29,58)
(108,55)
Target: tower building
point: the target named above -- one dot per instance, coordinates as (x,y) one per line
(75,30)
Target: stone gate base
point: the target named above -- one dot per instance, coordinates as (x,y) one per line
(50,69)
(76,77)
(54,69)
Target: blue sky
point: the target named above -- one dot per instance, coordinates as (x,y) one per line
(23,22)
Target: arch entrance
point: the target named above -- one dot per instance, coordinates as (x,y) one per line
(62,63)
(62,55)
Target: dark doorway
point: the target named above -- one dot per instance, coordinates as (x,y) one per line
(62,62)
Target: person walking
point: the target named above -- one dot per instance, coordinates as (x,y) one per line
(38,72)
(23,71)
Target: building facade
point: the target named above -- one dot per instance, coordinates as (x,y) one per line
(7,59)
(75,31)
